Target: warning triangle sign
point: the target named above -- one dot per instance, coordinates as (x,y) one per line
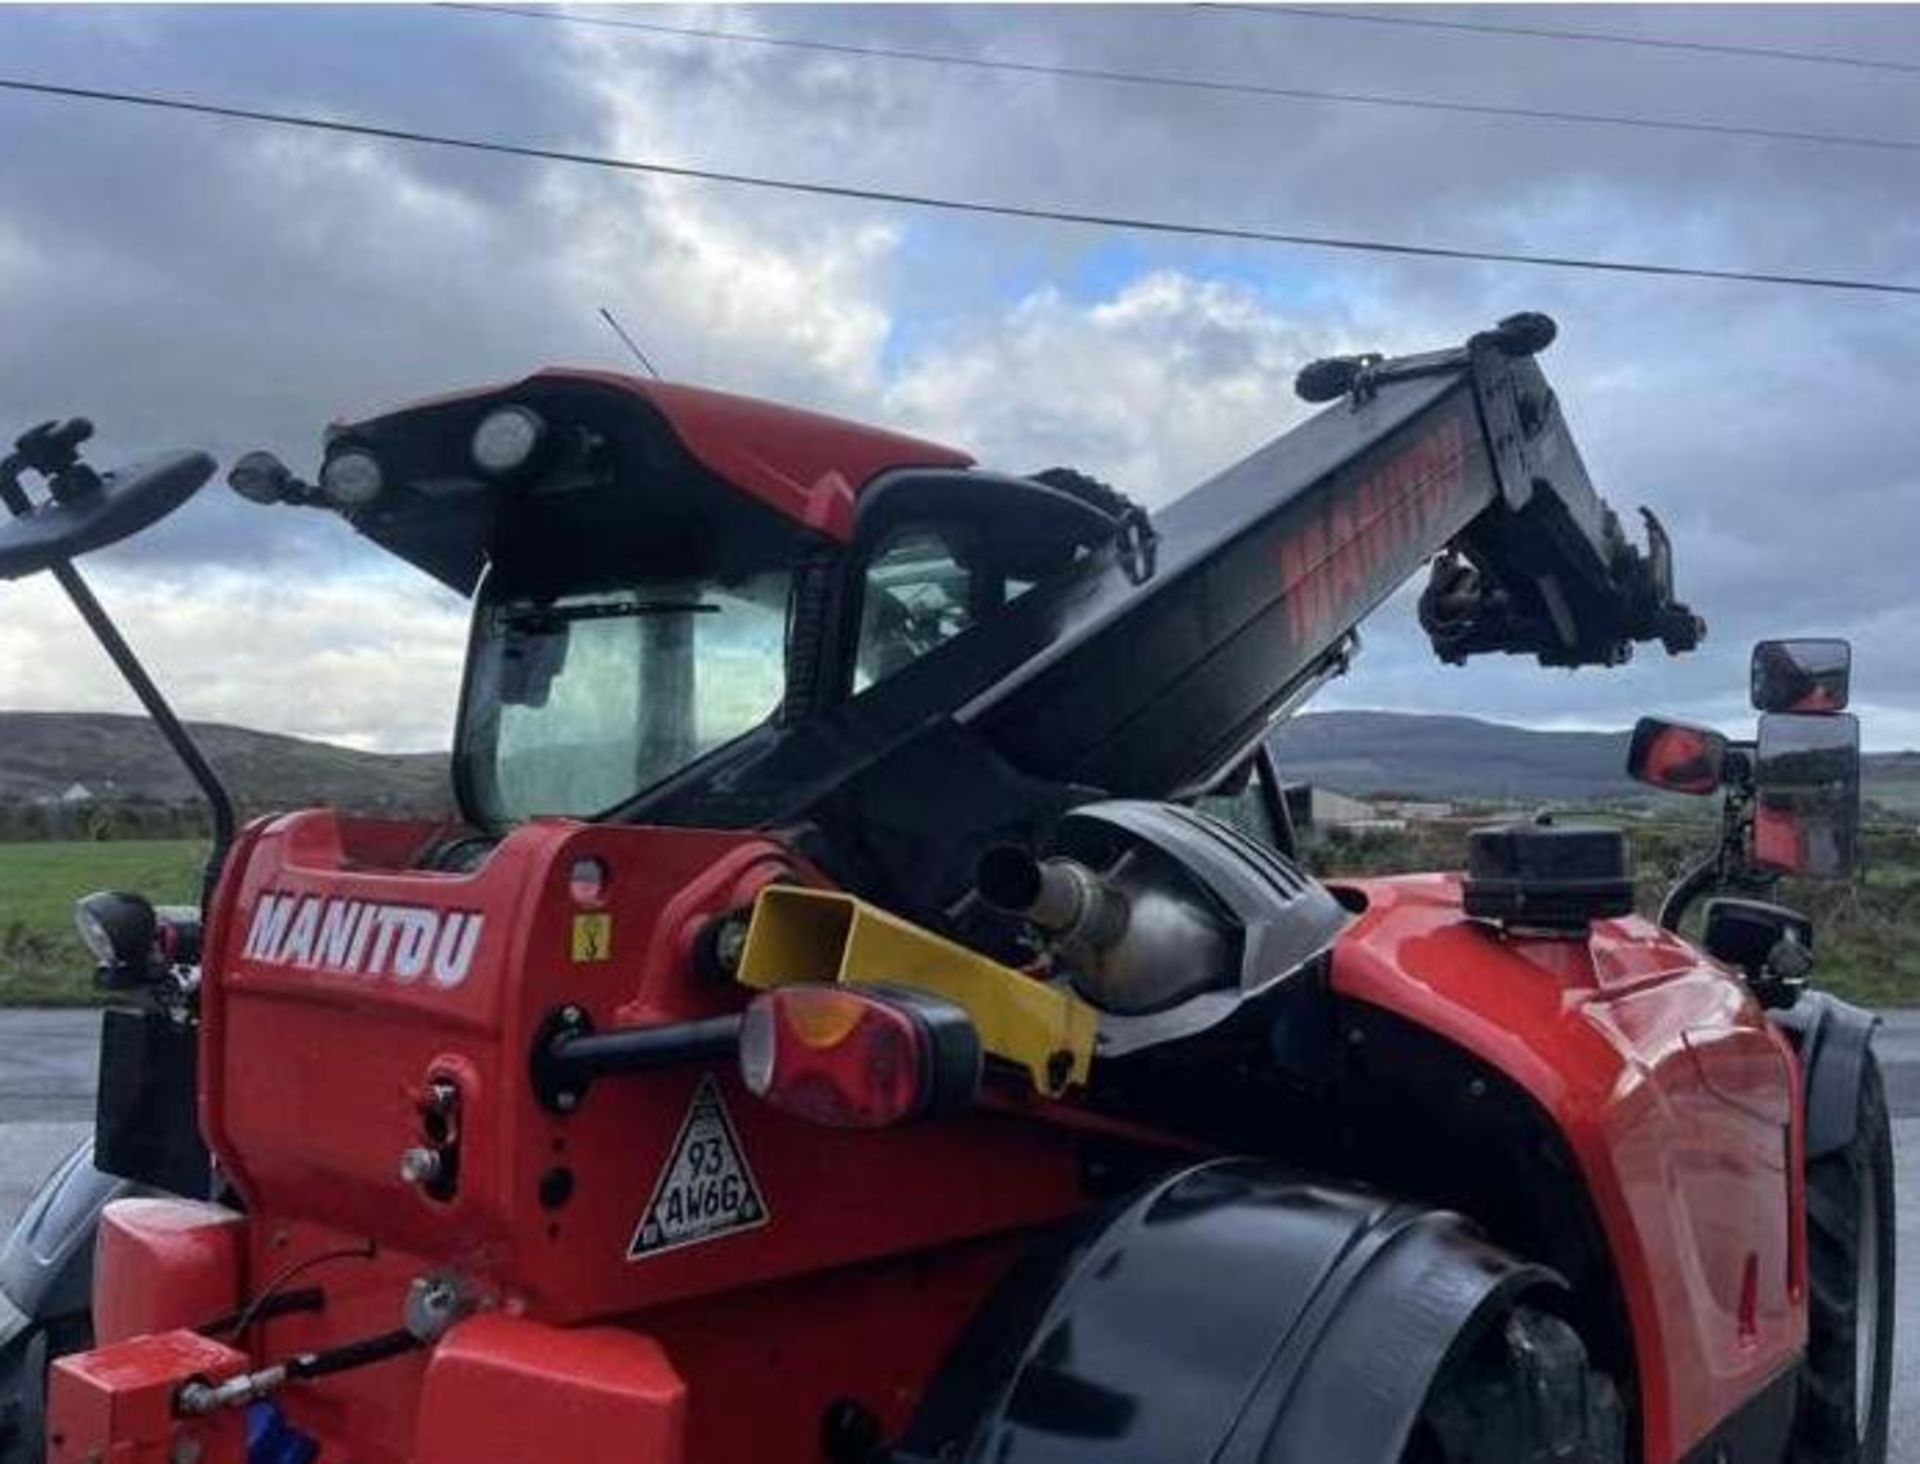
(706,1190)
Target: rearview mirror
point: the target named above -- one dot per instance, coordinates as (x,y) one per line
(1806,781)
(1676,757)
(1801,675)
(85,511)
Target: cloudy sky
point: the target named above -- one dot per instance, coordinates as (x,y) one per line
(190,282)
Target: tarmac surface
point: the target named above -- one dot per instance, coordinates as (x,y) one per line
(48,1059)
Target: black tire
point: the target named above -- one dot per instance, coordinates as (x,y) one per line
(23,1384)
(1847,1384)
(1526,1395)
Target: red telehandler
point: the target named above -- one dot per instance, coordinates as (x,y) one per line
(870,1012)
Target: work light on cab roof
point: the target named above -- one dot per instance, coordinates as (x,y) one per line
(352,478)
(507,440)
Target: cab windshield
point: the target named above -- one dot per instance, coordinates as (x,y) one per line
(578,702)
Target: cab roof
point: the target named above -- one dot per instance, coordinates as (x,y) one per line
(807,466)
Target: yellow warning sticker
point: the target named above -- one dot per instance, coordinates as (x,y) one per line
(592,937)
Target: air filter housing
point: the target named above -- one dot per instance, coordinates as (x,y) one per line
(1546,876)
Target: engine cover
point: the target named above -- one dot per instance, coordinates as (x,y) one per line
(1212,919)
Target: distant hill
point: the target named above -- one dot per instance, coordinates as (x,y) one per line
(1466,758)
(1452,757)
(116,758)
(43,754)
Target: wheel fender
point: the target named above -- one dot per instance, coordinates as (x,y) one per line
(1235,1312)
(46,1263)
(1832,1038)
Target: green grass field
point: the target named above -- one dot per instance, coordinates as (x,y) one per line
(41,958)
(1868,933)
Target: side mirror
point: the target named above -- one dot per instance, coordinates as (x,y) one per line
(84,510)
(260,477)
(1801,675)
(1676,757)
(1806,781)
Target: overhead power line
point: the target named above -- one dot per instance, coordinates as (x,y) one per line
(1604,38)
(945,203)
(1218,85)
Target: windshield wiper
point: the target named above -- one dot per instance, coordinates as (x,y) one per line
(552,617)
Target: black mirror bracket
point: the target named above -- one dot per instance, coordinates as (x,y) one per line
(1727,867)
(52,451)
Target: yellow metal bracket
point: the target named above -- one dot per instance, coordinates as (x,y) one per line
(824,935)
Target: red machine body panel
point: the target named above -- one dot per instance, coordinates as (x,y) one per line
(320,1041)
(323,1029)
(1678,1100)
(503,1390)
(165,1263)
(116,1403)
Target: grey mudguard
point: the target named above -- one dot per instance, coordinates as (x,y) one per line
(1234,1313)
(1832,1038)
(46,1264)
(46,1284)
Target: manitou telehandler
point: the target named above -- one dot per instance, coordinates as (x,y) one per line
(869,1010)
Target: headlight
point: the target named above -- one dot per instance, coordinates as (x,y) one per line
(118,927)
(506,439)
(352,477)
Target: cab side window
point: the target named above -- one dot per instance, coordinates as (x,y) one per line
(952,551)
(918,596)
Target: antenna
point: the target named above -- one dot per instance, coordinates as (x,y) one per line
(630,343)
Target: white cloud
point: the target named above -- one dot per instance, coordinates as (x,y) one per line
(1157,385)
(370,662)
(185,282)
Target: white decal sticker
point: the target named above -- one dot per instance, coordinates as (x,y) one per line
(355,938)
(706,1190)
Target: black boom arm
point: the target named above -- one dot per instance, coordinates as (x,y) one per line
(1458,459)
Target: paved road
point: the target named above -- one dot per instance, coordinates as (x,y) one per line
(47,1061)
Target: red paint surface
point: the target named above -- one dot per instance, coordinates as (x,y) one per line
(878,1245)
(503,1390)
(116,1403)
(805,465)
(159,1264)
(1677,1098)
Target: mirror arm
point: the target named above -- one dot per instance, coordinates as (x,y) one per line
(1725,868)
(1704,875)
(219,801)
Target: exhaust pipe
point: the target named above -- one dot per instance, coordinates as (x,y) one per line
(1075,906)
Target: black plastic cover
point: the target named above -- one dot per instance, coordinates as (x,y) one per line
(1744,933)
(1234,1312)
(1282,917)
(121,505)
(1548,875)
(146,1124)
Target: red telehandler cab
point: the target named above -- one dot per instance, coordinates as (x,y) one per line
(870,1011)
